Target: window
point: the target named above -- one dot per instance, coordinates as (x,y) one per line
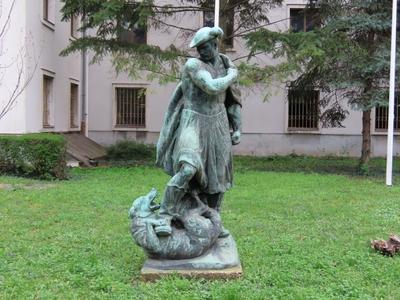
(382,116)
(130,107)
(75,26)
(48,102)
(229,15)
(73,109)
(133,34)
(303,109)
(303,19)
(48,13)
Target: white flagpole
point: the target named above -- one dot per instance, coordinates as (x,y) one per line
(216,13)
(389,155)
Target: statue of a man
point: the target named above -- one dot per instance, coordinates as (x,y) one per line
(195,142)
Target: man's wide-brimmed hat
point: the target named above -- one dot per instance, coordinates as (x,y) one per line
(206,34)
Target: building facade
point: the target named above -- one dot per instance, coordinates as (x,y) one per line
(49,85)
(120,108)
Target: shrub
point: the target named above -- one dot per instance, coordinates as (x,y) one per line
(40,155)
(131,151)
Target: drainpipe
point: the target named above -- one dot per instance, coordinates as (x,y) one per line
(84,89)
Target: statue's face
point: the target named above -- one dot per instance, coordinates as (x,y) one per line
(207,50)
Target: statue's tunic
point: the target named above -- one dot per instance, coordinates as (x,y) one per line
(201,137)
(198,119)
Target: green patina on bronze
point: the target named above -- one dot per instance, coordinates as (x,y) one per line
(194,148)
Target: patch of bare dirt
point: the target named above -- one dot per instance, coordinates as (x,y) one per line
(35,186)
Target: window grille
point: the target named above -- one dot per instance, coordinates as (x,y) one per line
(74,106)
(47,100)
(382,116)
(303,20)
(303,109)
(131,107)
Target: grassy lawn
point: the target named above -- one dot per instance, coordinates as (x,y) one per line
(300,236)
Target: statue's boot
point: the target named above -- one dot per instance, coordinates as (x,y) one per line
(172,196)
(215,202)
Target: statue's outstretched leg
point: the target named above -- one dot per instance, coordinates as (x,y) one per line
(175,191)
(215,201)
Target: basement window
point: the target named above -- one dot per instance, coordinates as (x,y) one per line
(382,116)
(303,109)
(130,107)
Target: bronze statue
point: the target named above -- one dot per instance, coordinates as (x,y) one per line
(195,142)
(194,148)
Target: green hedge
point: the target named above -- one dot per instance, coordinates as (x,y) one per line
(131,151)
(40,155)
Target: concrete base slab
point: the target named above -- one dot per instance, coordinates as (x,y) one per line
(149,274)
(220,262)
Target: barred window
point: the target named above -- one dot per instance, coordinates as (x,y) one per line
(304,19)
(74,106)
(131,107)
(303,109)
(382,116)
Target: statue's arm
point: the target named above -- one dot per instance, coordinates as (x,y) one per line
(235,119)
(227,62)
(204,80)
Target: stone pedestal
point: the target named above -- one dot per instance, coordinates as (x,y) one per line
(221,261)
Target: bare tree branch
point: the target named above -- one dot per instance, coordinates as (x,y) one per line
(22,79)
(7,22)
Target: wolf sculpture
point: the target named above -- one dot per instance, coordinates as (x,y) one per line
(195,228)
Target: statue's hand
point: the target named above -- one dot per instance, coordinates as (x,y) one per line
(236,137)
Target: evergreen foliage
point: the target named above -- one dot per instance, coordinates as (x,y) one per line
(126,151)
(105,21)
(347,58)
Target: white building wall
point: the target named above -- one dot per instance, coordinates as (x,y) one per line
(12,56)
(41,42)
(50,38)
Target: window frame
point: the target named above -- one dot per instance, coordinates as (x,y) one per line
(125,127)
(295,7)
(74,33)
(229,47)
(383,131)
(48,14)
(73,126)
(299,129)
(50,102)
(132,31)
